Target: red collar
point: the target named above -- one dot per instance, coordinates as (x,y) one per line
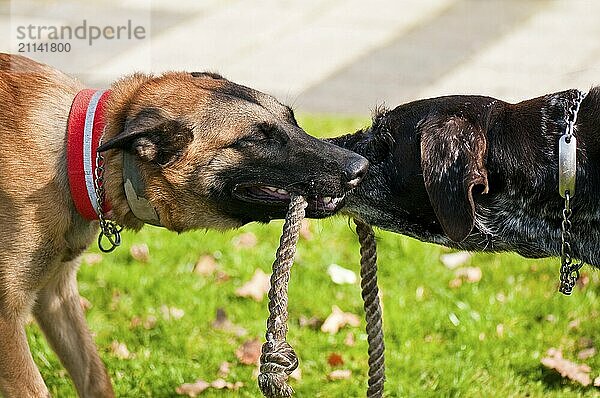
(85,128)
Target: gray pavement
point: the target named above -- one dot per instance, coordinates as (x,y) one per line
(341,56)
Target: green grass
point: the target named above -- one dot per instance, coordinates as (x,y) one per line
(429,353)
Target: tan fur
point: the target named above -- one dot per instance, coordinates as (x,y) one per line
(42,234)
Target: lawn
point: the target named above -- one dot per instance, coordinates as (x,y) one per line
(480,339)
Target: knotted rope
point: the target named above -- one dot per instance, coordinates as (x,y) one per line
(278,359)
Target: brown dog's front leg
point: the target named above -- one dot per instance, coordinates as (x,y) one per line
(19,377)
(58,312)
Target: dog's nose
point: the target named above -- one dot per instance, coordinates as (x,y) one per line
(355,171)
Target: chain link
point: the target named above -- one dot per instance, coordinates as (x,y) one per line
(109,230)
(569,271)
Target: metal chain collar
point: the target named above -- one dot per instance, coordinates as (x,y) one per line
(109,229)
(569,271)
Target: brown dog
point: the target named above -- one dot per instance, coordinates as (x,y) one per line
(202,152)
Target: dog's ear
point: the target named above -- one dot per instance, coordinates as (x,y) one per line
(452,159)
(152,137)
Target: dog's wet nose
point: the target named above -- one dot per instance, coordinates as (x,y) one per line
(355,171)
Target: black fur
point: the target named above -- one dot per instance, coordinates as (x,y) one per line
(480,174)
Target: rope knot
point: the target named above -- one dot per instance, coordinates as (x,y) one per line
(278,360)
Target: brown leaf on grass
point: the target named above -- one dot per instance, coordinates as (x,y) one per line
(120,350)
(171,313)
(313,322)
(85,303)
(192,389)
(340,374)
(92,258)
(584,280)
(255,288)
(338,319)
(305,232)
(223,323)
(335,359)
(469,274)
(586,353)
(455,260)
(206,265)
(147,323)
(224,369)
(247,240)
(140,252)
(574,324)
(199,386)
(350,339)
(249,352)
(296,374)
(579,373)
(340,275)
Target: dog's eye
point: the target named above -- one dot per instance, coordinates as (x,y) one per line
(251,139)
(262,132)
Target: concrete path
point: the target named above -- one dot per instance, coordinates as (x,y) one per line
(343,56)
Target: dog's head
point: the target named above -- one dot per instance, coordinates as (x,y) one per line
(215,154)
(425,169)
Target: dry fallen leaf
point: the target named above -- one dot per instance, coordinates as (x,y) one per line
(140,252)
(574,324)
(249,352)
(224,369)
(586,353)
(223,323)
(597,382)
(350,339)
(206,265)
(335,359)
(92,258)
(313,322)
(571,370)
(192,389)
(171,313)
(120,350)
(246,240)
(198,387)
(469,274)
(147,323)
(296,374)
(340,275)
(338,319)
(305,232)
(454,260)
(255,288)
(340,374)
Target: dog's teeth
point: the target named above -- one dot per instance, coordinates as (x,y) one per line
(282,191)
(272,189)
(327,199)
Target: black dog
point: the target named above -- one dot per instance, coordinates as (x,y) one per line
(480,174)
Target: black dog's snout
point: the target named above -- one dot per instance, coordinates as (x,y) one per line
(355,170)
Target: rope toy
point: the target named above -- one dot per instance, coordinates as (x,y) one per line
(278,359)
